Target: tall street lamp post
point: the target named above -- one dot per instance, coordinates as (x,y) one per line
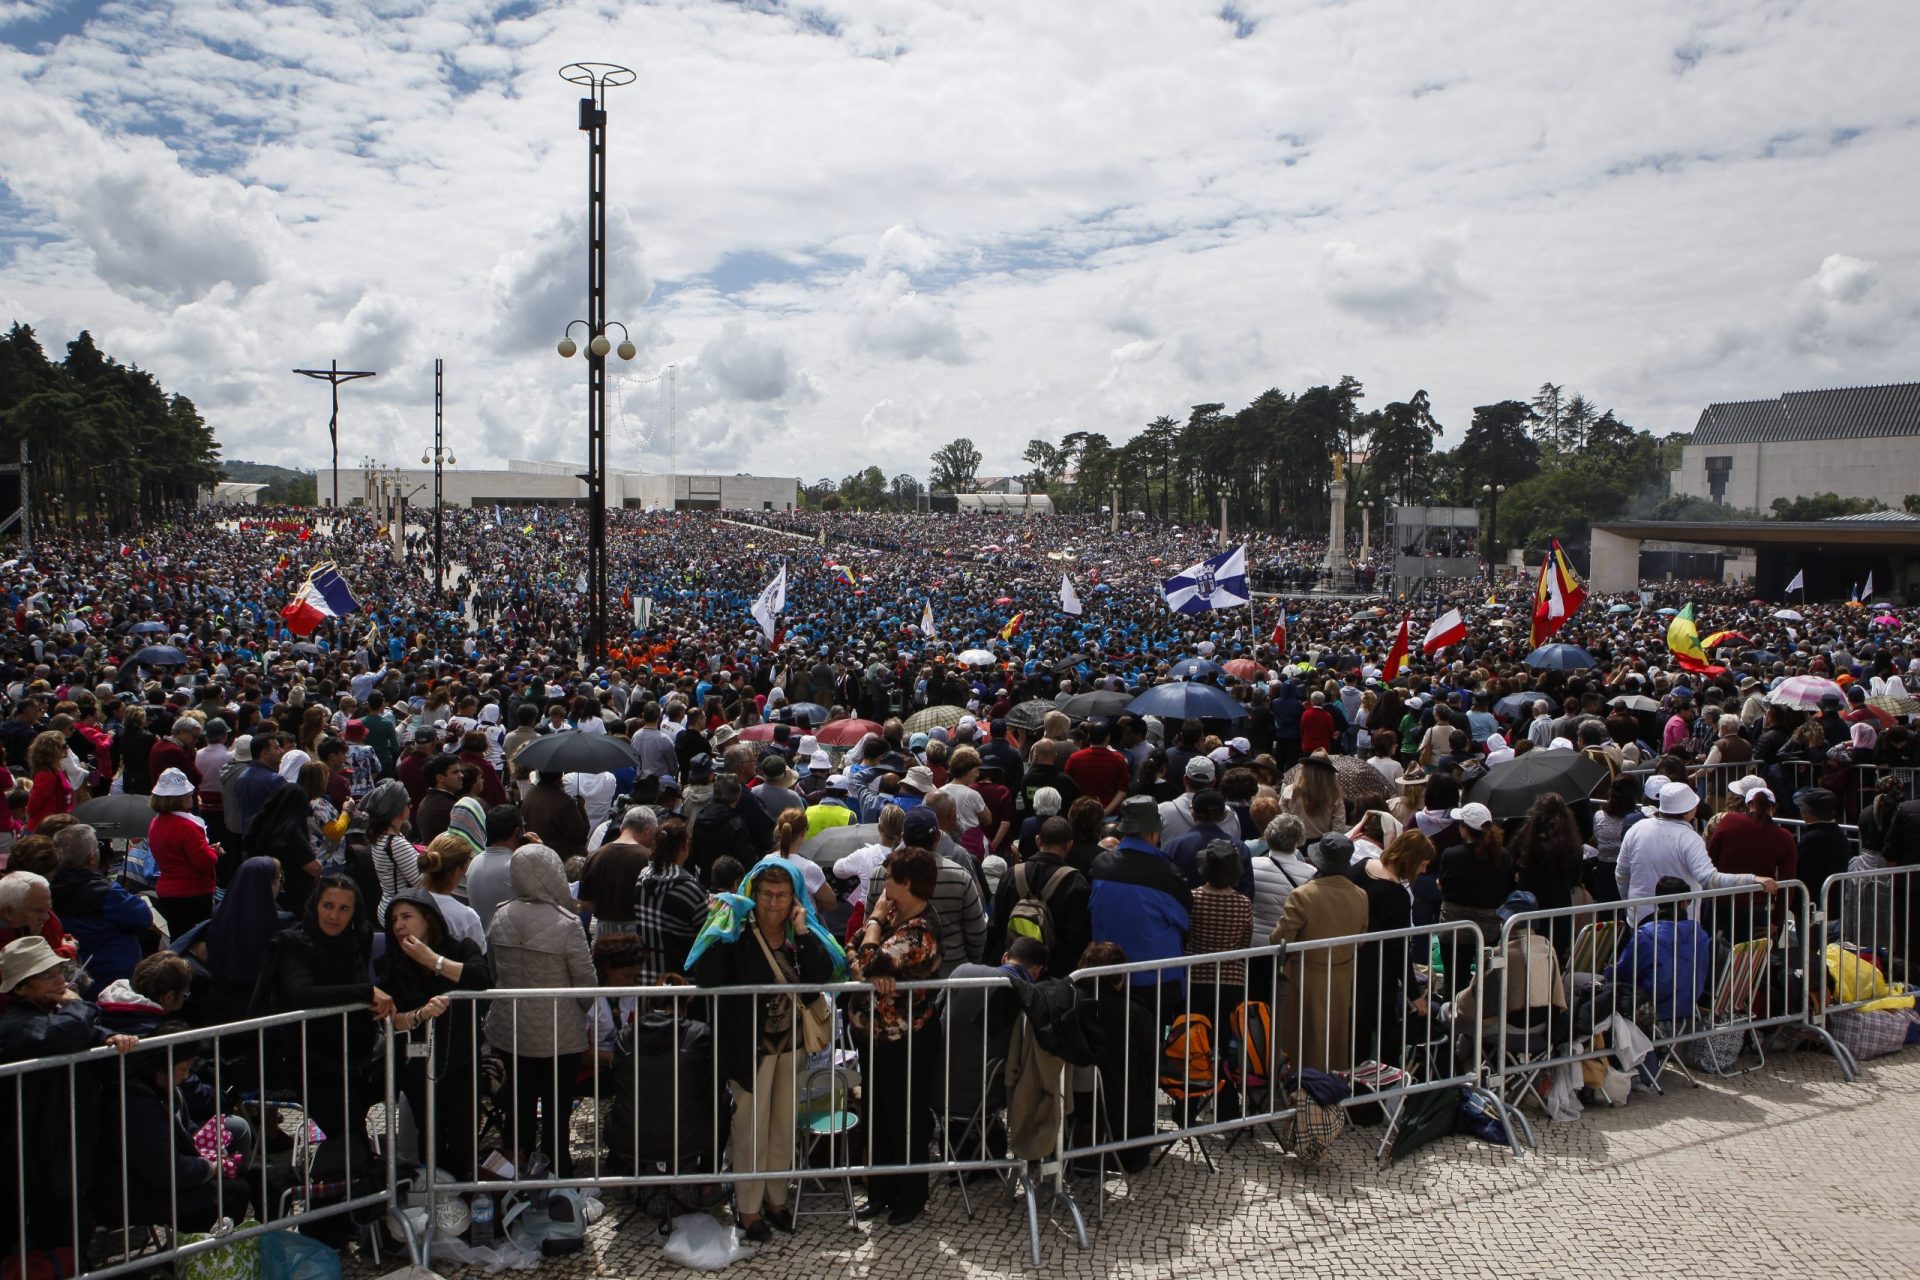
(1492,492)
(439,456)
(596,78)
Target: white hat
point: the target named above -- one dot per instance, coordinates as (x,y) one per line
(1240,745)
(837,780)
(1652,789)
(1759,793)
(919,778)
(1678,797)
(1200,769)
(1474,816)
(1745,786)
(820,760)
(1560,744)
(966,722)
(172,782)
(808,744)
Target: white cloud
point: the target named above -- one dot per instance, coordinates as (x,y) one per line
(992,221)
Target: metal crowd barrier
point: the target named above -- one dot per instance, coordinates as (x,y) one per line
(101,1206)
(1709,968)
(1868,953)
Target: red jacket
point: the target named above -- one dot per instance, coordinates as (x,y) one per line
(51,794)
(168,754)
(182,856)
(1316,730)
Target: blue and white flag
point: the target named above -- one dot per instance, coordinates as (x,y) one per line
(1219,582)
(496,515)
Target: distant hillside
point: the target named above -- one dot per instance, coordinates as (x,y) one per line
(284,484)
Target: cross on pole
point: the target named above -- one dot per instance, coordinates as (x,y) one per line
(335,375)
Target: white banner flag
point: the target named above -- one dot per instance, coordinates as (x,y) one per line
(772,600)
(1069,598)
(1799,582)
(926,621)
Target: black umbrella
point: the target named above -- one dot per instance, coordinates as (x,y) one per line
(116,816)
(1510,787)
(575,752)
(1101,702)
(148,628)
(1514,705)
(159,655)
(1030,715)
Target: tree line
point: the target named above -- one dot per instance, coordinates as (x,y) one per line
(105,439)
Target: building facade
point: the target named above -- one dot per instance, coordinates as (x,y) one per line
(528,483)
(1858,442)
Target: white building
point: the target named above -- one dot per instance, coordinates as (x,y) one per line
(1858,442)
(224,493)
(528,483)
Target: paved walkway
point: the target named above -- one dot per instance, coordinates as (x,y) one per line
(1784,1172)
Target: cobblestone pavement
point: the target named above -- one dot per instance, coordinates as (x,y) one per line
(1788,1171)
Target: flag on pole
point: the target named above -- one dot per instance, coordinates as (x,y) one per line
(1397,656)
(1683,642)
(323,595)
(772,599)
(1799,583)
(842,574)
(1012,628)
(497,519)
(1219,582)
(1448,628)
(1558,595)
(1279,637)
(926,621)
(1069,598)
(1866,592)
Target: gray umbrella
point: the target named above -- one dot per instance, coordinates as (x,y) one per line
(1030,715)
(836,843)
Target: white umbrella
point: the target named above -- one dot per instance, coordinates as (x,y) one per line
(1789,615)
(1803,693)
(977,658)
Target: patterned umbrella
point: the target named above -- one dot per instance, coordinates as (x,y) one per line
(1361,785)
(1803,693)
(1030,715)
(1895,706)
(934,717)
(1245,669)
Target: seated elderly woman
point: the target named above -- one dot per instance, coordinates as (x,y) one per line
(111,925)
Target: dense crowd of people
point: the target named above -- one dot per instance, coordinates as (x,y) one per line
(211,819)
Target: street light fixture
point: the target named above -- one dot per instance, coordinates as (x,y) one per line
(1492,492)
(440,456)
(596,78)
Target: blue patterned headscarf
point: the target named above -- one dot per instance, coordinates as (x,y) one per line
(727,918)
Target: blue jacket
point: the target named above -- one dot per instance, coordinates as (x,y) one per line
(105,920)
(1669,961)
(1141,902)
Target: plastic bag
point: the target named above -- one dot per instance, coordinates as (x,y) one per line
(288,1255)
(504,1256)
(239,1260)
(700,1243)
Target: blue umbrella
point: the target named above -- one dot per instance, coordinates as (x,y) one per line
(148,628)
(1621,608)
(1759,655)
(1196,669)
(159,655)
(1181,700)
(1559,657)
(808,713)
(1666,613)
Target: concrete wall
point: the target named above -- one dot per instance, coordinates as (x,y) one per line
(1615,564)
(1885,468)
(555,484)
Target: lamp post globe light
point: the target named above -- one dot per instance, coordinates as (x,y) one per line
(596,78)
(1492,493)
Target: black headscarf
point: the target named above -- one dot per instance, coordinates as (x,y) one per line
(349,954)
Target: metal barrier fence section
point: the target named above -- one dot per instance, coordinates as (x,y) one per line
(129,1155)
(1680,981)
(1867,958)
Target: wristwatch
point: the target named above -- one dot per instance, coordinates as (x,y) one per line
(439,965)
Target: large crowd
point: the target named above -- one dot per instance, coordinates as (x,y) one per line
(210,818)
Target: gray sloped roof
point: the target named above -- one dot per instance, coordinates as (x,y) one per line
(1874,517)
(1840,413)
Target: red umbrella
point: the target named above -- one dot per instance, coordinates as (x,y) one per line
(1245,669)
(844,733)
(757,733)
(1004,600)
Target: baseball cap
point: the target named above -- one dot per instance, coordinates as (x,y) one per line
(1474,816)
(921,829)
(1200,769)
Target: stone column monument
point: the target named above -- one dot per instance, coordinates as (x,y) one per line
(1339,573)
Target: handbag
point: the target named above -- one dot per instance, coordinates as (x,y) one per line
(816,1015)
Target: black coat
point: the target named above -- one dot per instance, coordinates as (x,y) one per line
(737,1020)
(412,985)
(717,831)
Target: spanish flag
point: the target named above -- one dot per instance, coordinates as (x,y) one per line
(1683,642)
(1012,628)
(1558,595)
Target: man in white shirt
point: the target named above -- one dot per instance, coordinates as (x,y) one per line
(1667,845)
(595,790)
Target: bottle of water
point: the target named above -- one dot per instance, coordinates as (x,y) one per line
(480,1235)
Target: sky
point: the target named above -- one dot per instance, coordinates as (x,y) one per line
(857,231)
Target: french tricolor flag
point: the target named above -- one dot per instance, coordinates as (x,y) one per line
(323,595)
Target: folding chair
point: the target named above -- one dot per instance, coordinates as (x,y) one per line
(1738,990)
(1595,946)
(992,1105)
(825,1114)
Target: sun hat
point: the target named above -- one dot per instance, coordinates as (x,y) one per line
(172,782)
(25,958)
(821,762)
(1677,798)
(919,778)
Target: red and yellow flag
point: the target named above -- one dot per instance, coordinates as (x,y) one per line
(1013,626)
(1557,596)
